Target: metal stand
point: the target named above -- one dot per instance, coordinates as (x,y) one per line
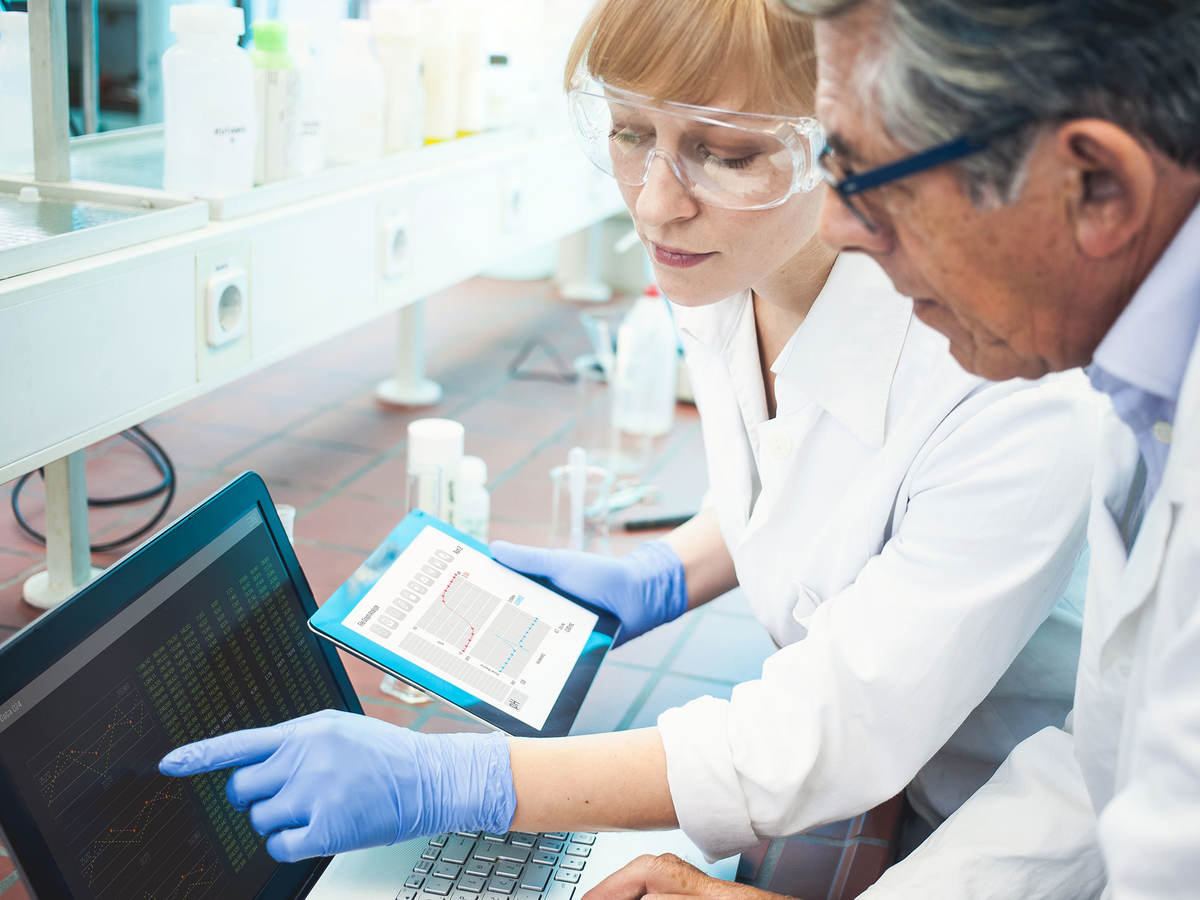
(410,387)
(48,70)
(90,74)
(68,558)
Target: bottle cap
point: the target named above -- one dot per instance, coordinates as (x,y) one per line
(436,442)
(270,36)
(472,471)
(207,19)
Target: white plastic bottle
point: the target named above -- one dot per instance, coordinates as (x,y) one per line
(498,90)
(644,377)
(356,98)
(16,94)
(208,103)
(440,70)
(311,101)
(473,59)
(473,509)
(397,30)
(276,97)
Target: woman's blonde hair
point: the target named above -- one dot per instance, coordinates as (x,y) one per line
(689,51)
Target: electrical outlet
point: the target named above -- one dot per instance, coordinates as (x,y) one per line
(223,308)
(394,245)
(512,204)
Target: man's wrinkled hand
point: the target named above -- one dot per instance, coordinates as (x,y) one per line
(667,877)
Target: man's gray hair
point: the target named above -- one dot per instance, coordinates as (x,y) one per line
(949,66)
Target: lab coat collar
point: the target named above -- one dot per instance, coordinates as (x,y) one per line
(1180,482)
(715,326)
(844,355)
(1164,314)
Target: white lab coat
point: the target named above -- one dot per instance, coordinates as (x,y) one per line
(1111,805)
(901,528)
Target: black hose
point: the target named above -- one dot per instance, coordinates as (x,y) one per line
(139,438)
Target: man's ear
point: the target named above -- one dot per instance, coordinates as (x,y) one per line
(1109,185)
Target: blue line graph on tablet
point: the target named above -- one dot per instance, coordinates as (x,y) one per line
(511,641)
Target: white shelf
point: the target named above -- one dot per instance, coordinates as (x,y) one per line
(96,343)
(135,157)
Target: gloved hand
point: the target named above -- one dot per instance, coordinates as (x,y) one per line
(644,588)
(334,781)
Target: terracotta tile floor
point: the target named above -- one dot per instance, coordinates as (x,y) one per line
(312,427)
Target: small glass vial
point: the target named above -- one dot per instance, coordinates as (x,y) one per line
(474,508)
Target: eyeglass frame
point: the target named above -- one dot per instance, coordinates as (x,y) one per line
(802,139)
(966,144)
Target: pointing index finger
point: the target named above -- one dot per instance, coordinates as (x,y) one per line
(238,748)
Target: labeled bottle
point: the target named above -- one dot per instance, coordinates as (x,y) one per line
(356,97)
(472,72)
(276,97)
(209,119)
(397,31)
(643,401)
(499,92)
(473,505)
(16,94)
(311,101)
(440,70)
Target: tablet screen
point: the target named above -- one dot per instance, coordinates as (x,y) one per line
(475,624)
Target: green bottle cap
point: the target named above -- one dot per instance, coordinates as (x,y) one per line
(271,36)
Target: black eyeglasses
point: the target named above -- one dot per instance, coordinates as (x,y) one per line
(846,182)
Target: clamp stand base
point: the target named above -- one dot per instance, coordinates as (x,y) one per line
(39,592)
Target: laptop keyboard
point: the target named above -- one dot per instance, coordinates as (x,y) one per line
(475,865)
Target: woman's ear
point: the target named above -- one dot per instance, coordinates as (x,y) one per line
(1109,184)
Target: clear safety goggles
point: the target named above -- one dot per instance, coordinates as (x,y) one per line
(732,160)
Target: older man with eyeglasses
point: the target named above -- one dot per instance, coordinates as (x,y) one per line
(1029,173)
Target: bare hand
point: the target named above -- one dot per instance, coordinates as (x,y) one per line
(668,877)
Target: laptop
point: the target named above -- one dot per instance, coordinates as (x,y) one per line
(200,631)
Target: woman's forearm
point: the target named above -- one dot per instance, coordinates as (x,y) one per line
(601,782)
(707,566)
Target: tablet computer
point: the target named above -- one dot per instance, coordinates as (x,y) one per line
(432,607)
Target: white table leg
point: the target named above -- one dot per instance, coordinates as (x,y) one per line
(410,387)
(68,557)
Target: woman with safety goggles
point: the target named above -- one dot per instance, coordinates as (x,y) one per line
(899,527)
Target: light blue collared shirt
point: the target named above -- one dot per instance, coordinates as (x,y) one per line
(1141,362)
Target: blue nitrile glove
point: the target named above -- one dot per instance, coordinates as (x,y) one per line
(334,781)
(644,588)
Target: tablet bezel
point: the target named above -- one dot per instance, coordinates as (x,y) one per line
(55,634)
(329,618)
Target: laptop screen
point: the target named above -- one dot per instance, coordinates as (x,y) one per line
(219,643)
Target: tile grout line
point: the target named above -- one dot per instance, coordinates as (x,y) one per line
(656,676)
(770,861)
(380,457)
